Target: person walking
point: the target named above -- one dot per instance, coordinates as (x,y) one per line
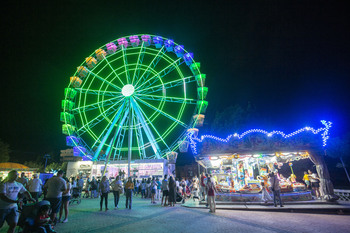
(24,181)
(275,188)
(137,188)
(153,190)
(172,191)
(315,183)
(159,189)
(211,190)
(202,187)
(93,187)
(129,187)
(65,201)
(103,191)
(55,186)
(34,187)
(80,185)
(87,188)
(9,190)
(306,179)
(265,196)
(117,187)
(165,190)
(143,188)
(148,188)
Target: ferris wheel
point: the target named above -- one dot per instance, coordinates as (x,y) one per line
(137,95)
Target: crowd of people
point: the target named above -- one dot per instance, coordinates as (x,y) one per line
(16,191)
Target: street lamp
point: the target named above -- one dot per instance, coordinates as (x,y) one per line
(46,156)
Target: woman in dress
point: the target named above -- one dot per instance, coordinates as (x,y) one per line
(172,191)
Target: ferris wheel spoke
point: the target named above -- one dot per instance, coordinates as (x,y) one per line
(97,119)
(113,70)
(139,61)
(163,113)
(172,66)
(160,87)
(97,104)
(119,143)
(167,99)
(153,64)
(125,59)
(98,92)
(105,81)
(154,128)
(139,137)
(109,130)
(141,116)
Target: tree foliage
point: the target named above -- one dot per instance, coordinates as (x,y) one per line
(234,118)
(339,146)
(4,151)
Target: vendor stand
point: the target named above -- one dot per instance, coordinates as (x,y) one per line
(240,177)
(5,168)
(240,163)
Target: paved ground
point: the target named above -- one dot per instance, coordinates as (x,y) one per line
(145,217)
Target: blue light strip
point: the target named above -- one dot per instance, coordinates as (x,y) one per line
(325,136)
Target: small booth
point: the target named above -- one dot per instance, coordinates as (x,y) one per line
(5,168)
(139,168)
(241,176)
(240,163)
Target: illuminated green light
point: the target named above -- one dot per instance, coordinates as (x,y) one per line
(128,90)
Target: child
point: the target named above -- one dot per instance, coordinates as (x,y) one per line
(42,220)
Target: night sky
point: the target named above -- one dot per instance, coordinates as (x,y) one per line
(289,58)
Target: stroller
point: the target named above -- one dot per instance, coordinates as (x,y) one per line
(75,196)
(179,198)
(28,215)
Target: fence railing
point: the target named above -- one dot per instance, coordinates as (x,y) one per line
(344,195)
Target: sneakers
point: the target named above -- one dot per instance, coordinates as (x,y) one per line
(65,220)
(116,207)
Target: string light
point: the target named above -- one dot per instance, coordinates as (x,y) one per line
(325,135)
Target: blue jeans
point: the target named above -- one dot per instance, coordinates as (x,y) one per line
(116,198)
(104,196)
(277,195)
(128,198)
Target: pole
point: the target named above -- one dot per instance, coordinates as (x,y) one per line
(347,174)
(129,138)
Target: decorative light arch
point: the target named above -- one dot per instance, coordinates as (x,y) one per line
(324,130)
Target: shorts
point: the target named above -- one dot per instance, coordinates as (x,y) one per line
(165,193)
(55,204)
(153,191)
(65,199)
(315,185)
(10,215)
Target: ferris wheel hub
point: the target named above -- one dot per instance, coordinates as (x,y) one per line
(128,90)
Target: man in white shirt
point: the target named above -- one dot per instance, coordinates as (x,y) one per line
(34,187)
(165,190)
(55,186)
(9,190)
